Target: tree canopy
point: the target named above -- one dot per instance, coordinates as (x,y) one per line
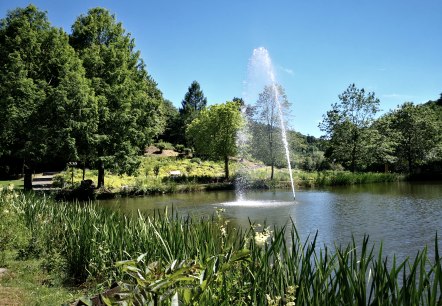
(265,126)
(194,101)
(417,132)
(347,126)
(214,130)
(130,112)
(49,110)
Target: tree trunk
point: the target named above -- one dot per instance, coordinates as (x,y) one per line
(84,169)
(272,171)
(100,182)
(410,161)
(27,180)
(353,158)
(226,166)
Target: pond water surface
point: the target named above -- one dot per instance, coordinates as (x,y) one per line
(403,216)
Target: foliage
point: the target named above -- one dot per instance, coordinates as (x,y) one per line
(194,101)
(130,104)
(164,146)
(172,131)
(49,111)
(337,178)
(185,281)
(265,126)
(214,130)
(211,263)
(347,126)
(417,133)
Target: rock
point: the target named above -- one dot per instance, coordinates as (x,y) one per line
(3,271)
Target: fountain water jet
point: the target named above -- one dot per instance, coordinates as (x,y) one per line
(260,74)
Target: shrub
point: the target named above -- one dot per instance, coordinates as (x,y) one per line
(164,146)
(187,151)
(156,169)
(179,148)
(196,160)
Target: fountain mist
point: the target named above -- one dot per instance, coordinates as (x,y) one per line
(261,74)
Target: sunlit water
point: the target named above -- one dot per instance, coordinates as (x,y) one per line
(404,216)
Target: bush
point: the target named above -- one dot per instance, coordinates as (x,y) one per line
(196,160)
(187,151)
(164,146)
(179,148)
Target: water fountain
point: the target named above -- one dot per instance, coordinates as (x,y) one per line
(260,74)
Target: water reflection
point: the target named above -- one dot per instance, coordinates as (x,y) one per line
(404,216)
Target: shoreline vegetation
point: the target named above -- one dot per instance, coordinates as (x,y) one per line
(76,251)
(302,180)
(198,176)
(154,178)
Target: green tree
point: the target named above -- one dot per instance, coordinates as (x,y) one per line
(382,144)
(266,128)
(214,130)
(347,127)
(417,131)
(194,101)
(172,123)
(48,107)
(130,112)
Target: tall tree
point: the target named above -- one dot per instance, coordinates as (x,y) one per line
(266,128)
(214,131)
(48,107)
(347,126)
(194,101)
(130,113)
(418,132)
(382,144)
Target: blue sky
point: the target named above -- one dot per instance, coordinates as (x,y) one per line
(318,48)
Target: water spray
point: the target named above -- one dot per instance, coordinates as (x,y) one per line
(261,60)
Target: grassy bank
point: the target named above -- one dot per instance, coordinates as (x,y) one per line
(319,179)
(204,261)
(153,177)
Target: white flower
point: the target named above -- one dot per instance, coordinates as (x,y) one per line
(261,238)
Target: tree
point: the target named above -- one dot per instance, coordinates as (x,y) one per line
(48,107)
(194,101)
(130,112)
(347,126)
(266,128)
(172,123)
(417,133)
(382,144)
(214,130)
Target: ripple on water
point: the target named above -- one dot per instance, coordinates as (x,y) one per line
(252,203)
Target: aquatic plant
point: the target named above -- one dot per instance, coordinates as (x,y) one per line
(98,246)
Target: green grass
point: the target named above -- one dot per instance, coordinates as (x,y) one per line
(32,285)
(204,261)
(16,183)
(153,177)
(320,179)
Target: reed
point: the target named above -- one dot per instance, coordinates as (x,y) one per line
(208,262)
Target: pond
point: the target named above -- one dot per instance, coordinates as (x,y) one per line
(403,216)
